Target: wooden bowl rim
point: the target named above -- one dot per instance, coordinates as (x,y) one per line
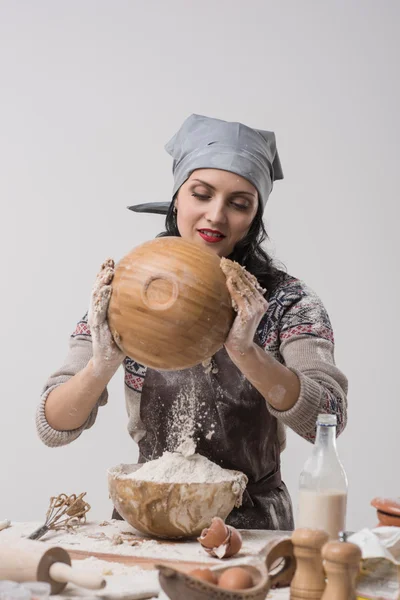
(116,476)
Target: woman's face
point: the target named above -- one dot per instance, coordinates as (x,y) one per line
(215,209)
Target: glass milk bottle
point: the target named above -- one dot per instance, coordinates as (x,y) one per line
(323,483)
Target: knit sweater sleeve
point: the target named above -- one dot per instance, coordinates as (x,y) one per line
(306,346)
(79,354)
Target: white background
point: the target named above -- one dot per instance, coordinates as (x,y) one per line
(90,93)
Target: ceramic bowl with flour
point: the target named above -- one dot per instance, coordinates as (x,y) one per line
(175,496)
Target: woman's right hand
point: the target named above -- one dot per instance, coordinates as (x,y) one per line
(107,357)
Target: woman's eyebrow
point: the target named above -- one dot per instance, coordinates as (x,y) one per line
(204,183)
(235,193)
(240,193)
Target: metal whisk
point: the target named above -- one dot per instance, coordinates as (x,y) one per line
(65,512)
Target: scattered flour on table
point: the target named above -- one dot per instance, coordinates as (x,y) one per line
(107,568)
(123,582)
(139,547)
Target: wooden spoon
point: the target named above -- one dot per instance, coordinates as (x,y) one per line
(178,585)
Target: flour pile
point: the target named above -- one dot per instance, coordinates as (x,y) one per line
(174,467)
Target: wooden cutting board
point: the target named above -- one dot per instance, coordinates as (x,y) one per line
(138,561)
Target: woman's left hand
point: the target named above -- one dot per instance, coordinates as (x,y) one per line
(250,305)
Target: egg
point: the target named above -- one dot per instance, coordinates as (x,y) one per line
(234,544)
(220,540)
(205,575)
(215,535)
(235,578)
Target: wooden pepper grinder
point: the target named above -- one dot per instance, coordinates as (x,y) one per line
(308,582)
(341,563)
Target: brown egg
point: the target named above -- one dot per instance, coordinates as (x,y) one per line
(234,544)
(235,578)
(215,535)
(205,575)
(220,540)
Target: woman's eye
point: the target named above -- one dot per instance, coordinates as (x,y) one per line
(200,196)
(240,206)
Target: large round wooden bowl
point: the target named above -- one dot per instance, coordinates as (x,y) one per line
(170,307)
(172,510)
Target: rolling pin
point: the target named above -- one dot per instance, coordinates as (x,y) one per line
(27,560)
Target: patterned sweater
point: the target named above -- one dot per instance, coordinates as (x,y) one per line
(295,329)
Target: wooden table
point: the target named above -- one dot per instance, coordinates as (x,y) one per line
(127,558)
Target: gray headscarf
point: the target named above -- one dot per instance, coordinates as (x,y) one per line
(205,143)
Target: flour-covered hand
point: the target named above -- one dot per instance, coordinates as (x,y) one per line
(106,354)
(249,304)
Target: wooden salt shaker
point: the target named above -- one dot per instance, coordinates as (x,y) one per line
(309,580)
(341,563)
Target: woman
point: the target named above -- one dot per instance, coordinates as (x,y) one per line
(277,366)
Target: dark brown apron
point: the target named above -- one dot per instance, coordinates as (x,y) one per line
(232,427)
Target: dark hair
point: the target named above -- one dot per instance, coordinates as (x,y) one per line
(248,252)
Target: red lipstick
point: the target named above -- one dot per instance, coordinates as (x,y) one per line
(212,236)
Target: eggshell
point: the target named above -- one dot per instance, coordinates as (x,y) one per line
(216,535)
(235,578)
(235,542)
(205,575)
(220,540)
